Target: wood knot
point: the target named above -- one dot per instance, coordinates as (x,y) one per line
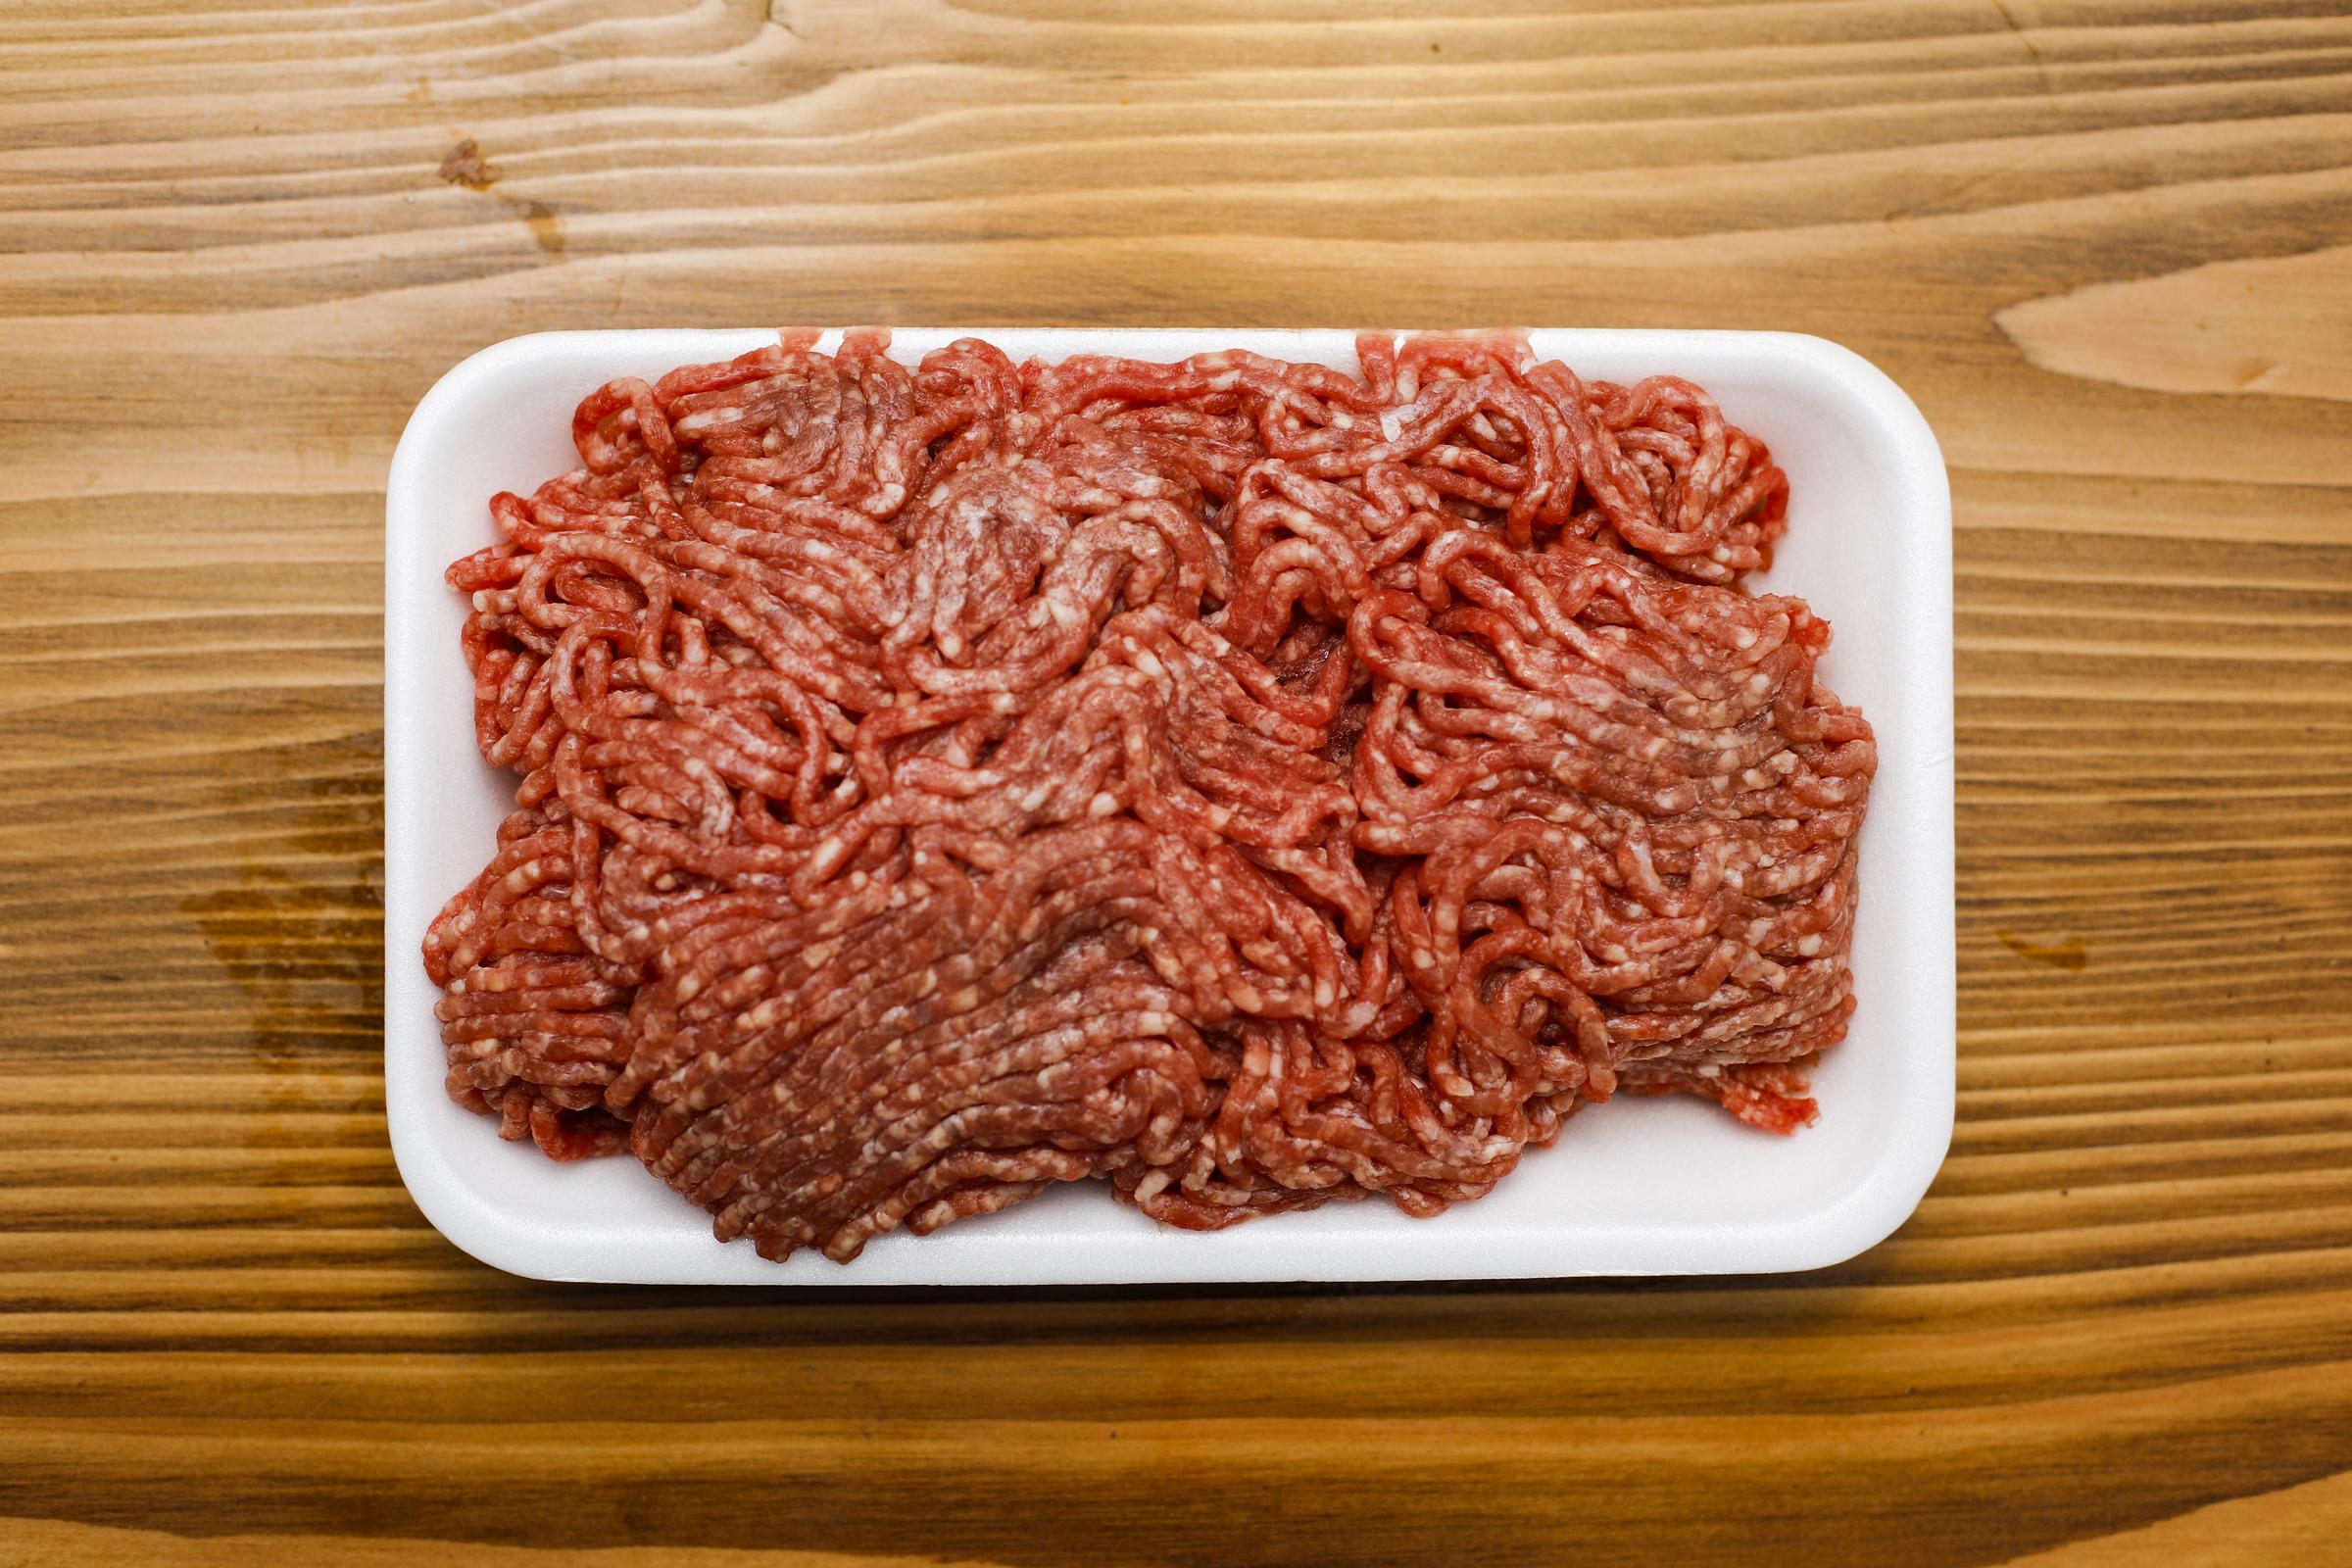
(465,165)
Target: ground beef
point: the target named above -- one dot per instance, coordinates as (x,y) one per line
(1248,783)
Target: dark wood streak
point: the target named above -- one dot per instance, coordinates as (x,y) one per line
(2120,1328)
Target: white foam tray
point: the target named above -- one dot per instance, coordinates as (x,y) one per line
(1640,1186)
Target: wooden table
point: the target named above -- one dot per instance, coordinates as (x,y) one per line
(2107,247)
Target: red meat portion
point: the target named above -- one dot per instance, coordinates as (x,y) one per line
(1248,783)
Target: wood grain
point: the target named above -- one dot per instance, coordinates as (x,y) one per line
(2103,244)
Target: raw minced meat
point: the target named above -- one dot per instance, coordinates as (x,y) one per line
(1248,783)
